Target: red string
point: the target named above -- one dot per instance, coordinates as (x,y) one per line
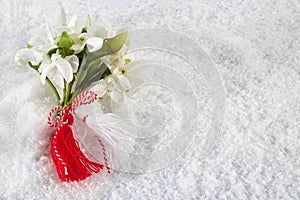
(70,162)
(104,155)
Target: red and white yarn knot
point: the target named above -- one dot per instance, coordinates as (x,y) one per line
(55,116)
(84,98)
(70,162)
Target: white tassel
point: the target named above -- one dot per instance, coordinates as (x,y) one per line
(106,128)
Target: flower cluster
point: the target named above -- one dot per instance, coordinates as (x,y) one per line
(76,55)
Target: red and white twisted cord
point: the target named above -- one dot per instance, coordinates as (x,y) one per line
(55,116)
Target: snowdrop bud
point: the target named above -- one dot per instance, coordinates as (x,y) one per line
(61,17)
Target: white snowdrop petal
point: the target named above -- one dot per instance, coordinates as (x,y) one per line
(72,21)
(49,33)
(102,85)
(116,96)
(124,81)
(100,88)
(79,24)
(116,71)
(77,47)
(37,41)
(19,60)
(52,71)
(94,44)
(83,35)
(28,55)
(61,29)
(131,65)
(74,62)
(55,57)
(110,83)
(65,69)
(61,17)
(58,80)
(97,30)
(46,69)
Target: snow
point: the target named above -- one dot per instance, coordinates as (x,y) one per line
(255,48)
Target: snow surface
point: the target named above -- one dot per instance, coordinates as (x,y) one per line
(255,45)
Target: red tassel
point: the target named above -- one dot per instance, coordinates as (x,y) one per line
(71,164)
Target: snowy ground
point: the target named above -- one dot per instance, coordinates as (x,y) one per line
(255,46)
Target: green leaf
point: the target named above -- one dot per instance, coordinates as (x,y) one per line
(111,45)
(127,42)
(92,69)
(84,30)
(29,46)
(65,40)
(106,73)
(127,60)
(81,54)
(96,71)
(35,67)
(51,51)
(89,21)
(65,52)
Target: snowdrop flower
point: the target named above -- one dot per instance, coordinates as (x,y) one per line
(119,68)
(117,84)
(43,39)
(95,35)
(74,29)
(92,38)
(121,73)
(59,69)
(24,56)
(94,43)
(109,87)
(113,60)
(74,26)
(79,43)
(39,45)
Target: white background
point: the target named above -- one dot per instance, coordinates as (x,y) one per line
(255,45)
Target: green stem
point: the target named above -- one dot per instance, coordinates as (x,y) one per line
(68,90)
(54,90)
(49,83)
(72,97)
(64,93)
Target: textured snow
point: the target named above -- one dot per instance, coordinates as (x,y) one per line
(255,46)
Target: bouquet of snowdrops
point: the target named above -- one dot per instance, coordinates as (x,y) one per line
(73,56)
